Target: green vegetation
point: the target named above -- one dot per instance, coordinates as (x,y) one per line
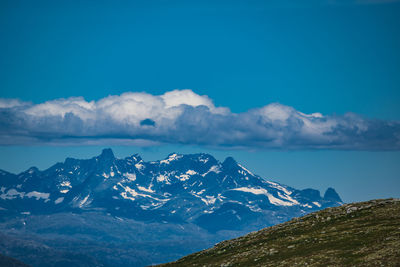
(357,234)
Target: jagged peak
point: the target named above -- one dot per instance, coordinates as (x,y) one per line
(332,195)
(70,161)
(229,160)
(171,157)
(32,170)
(230,163)
(204,155)
(195,156)
(174,155)
(206,158)
(107,153)
(135,157)
(311,193)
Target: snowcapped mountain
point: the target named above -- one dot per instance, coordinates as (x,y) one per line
(195,188)
(106,211)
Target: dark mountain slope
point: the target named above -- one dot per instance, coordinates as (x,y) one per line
(357,234)
(10,262)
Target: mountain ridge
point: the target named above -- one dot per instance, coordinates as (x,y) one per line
(131,187)
(189,202)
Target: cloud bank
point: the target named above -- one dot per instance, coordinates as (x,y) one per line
(184,117)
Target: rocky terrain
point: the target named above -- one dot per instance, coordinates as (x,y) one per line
(357,234)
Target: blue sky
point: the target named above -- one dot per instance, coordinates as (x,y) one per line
(330,57)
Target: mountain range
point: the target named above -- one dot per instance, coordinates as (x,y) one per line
(194,200)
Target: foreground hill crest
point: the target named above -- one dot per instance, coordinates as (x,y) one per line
(193,188)
(357,234)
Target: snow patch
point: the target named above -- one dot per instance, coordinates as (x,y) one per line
(210,200)
(12,194)
(38,195)
(163,178)
(213,168)
(130,176)
(141,188)
(183,177)
(129,191)
(279,187)
(85,202)
(191,172)
(66,183)
(249,172)
(59,200)
(131,194)
(317,204)
(171,158)
(261,191)
(254,208)
(139,166)
(256,191)
(289,198)
(201,192)
(204,160)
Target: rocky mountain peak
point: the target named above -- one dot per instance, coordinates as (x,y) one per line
(107,154)
(135,158)
(193,188)
(230,164)
(332,195)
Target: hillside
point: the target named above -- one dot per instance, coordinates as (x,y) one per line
(357,234)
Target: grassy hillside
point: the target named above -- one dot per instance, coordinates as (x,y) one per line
(357,234)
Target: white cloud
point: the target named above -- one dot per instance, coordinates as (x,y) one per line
(12,103)
(186,97)
(184,117)
(59,107)
(276,112)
